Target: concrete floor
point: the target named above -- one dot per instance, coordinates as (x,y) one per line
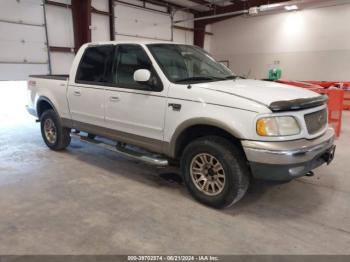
(90,201)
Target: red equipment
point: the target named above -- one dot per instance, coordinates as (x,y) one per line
(302,84)
(335,98)
(335,107)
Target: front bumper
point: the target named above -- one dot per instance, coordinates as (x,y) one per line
(283,161)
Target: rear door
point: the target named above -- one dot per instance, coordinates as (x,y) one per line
(134,108)
(86,95)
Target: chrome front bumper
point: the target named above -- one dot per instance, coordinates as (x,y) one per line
(288,159)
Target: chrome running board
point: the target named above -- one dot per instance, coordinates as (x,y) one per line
(150,158)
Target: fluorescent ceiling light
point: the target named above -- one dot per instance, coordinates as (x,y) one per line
(291,7)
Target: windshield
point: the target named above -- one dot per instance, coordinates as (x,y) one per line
(188,64)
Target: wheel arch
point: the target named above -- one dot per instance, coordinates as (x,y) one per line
(199,127)
(43,103)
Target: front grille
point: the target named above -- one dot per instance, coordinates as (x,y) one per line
(316,121)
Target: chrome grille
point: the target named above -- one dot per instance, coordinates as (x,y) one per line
(316,121)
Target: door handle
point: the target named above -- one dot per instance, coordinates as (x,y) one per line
(114,99)
(77,93)
(176,107)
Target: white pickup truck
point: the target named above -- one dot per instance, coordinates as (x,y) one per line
(171,103)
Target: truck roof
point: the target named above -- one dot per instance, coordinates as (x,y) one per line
(143,42)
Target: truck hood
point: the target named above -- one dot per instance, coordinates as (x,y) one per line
(263,92)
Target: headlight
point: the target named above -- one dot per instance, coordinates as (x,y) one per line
(277,126)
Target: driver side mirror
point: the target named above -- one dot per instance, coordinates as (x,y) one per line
(142,76)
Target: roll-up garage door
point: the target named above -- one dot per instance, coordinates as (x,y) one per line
(132,23)
(60,34)
(23,41)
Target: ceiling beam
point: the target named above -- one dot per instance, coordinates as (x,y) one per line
(237,6)
(170,5)
(207,3)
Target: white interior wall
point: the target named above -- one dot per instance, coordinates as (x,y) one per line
(312,44)
(99,28)
(208,38)
(63,1)
(25,47)
(60,33)
(22,39)
(61,62)
(99,22)
(101,5)
(138,22)
(183,36)
(60,26)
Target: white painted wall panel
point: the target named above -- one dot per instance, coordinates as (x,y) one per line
(61,62)
(131,38)
(23,41)
(140,22)
(309,44)
(22,52)
(19,32)
(63,1)
(60,33)
(208,38)
(100,28)
(156,7)
(29,11)
(134,2)
(183,37)
(318,65)
(181,15)
(101,5)
(59,26)
(21,71)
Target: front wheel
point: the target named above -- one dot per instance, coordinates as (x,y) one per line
(55,136)
(215,171)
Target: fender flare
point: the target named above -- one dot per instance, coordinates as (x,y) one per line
(199,121)
(46,99)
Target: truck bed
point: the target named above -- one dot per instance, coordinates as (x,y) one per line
(55,77)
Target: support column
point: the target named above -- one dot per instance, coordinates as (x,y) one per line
(199,33)
(81,11)
(111,20)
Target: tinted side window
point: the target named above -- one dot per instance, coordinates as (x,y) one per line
(129,59)
(96,65)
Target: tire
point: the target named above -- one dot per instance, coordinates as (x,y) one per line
(230,181)
(56,137)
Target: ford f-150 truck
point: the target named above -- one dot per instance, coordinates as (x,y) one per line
(171,103)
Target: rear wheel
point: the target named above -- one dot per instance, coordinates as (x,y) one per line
(215,171)
(55,136)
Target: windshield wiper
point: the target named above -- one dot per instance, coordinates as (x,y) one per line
(199,78)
